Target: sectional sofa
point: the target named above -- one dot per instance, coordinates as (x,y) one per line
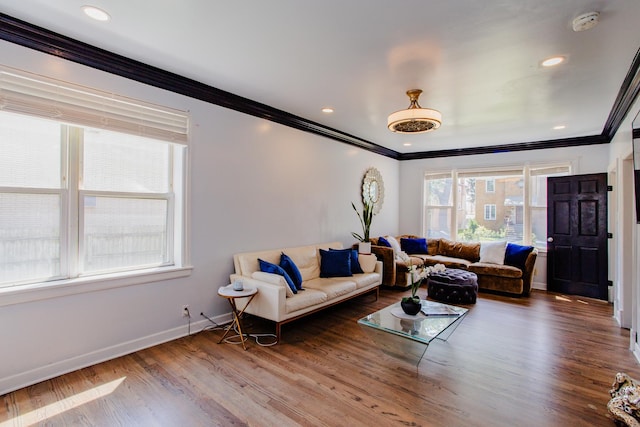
(277,301)
(508,275)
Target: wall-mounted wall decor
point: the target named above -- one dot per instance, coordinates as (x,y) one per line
(373,189)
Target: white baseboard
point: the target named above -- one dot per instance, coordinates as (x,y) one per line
(539,285)
(34,376)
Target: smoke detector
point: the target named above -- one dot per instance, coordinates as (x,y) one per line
(585,21)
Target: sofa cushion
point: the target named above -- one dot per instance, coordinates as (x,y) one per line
(516,255)
(335,263)
(414,246)
(292,270)
(507,271)
(268,267)
(355,263)
(433,246)
(333,287)
(492,252)
(274,279)
(365,279)
(307,261)
(306,299)
(468,251)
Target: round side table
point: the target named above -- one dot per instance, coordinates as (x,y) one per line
(231,296)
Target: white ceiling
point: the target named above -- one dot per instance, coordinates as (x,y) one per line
(477,61)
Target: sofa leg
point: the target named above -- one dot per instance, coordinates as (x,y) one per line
(278,330)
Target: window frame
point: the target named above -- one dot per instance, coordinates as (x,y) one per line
(527,170)
(174,132)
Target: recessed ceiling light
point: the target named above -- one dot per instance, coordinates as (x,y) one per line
(554,60)
(95,13)
(407,144)
(327,110)
(559,127)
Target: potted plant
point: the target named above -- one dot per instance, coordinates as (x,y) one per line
(365,221)
(411,305)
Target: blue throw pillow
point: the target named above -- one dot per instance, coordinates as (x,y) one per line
(414,245)
(516,255)
(292,270)
(335,263)
(268,267)
(355,264)
(383,242)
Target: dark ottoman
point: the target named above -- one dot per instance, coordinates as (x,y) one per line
(453,286)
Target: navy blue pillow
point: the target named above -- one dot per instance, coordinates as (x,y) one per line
(414,245)
(292,270)
(268,267)
(383,242)
(335,263)
(516,255)
(355,264)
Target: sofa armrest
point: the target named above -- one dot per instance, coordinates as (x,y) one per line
(269,302)
(385,254)
(527,274)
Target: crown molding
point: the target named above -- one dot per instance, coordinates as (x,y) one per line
(626,96)
(506,148)
(43,40)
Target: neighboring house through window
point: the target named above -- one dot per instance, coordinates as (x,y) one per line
(507,204)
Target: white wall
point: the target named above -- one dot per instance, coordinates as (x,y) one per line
(254,185)
(626,231)
(584,159)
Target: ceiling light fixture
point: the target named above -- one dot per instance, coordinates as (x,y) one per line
(414,119)
(327,110)
(95,13)
(554,60)
(559,127)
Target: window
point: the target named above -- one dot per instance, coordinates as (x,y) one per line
(505,204)
(490,212)
(438,205)
(81,201)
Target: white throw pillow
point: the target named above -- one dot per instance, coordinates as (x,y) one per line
(395,245)
(274,279)
(367,262)
(492,252)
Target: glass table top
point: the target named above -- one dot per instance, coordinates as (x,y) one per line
(423,328)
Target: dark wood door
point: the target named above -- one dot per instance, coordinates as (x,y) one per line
(577,235)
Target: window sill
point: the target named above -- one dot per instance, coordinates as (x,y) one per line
(46,290)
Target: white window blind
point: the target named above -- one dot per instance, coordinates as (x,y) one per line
(35,95)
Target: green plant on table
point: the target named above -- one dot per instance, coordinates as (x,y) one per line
(417,276)
(365,221)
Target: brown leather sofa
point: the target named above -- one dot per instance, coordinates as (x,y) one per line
(462,255)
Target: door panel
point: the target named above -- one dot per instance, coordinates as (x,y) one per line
(577,258)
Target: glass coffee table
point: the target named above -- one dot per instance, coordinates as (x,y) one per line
(407,337)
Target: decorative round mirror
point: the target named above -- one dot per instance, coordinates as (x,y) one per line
(373,189)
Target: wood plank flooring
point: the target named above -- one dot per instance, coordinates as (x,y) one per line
(547,360)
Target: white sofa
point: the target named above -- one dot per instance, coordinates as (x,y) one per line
(271,301)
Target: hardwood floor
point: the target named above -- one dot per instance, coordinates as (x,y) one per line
(547,360)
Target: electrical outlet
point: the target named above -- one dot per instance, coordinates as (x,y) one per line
(185,311)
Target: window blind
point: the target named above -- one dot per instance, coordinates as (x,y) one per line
(26,93)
